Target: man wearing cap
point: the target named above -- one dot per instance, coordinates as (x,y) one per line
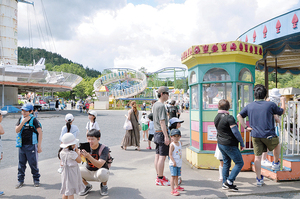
(261,120)
(161,138)
(31,145)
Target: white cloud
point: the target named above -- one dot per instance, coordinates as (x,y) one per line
(154,37)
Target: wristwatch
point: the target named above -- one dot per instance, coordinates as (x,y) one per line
(246,127)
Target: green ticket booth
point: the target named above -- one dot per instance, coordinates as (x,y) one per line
(217,71)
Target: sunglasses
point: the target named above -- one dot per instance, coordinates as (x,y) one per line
(165,93)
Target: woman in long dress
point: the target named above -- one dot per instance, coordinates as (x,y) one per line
(132,137)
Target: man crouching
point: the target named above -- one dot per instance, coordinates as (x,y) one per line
(96,166)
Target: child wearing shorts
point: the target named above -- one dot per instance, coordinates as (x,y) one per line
(145,121)
(175,162)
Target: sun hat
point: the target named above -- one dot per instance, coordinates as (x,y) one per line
(144,113)
(175,119)
(94,113)
(27,107)
(69,117)
(162,89)
(175,132)
(68,139)
(3,112)
(275,93)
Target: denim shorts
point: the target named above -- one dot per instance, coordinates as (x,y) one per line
(175,171)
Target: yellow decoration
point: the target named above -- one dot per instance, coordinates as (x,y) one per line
(196,54)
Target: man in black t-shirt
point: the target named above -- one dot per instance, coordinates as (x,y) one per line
(96,167)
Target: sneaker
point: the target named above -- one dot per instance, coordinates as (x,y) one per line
(175,192)
(179,188)
(276,166)
(1,193)
(231,187)
(19,185)
(36,184)
(224,187)
(87,189)
(103,190)
(260,182)
(266,163)
(161,182)
(149,148)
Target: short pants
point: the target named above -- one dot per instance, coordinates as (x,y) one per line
(175,171)
(150,137)
(161,148)
(145,127)
(261,145)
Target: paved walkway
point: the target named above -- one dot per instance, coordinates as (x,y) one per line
(133,177)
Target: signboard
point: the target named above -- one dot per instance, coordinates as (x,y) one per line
(211,133)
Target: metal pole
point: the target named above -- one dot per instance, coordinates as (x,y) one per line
(175,79)
(276,71)
(266,75)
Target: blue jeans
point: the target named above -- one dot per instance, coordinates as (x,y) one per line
(231,153)
(28,153)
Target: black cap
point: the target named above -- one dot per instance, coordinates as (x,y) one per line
(150,116)
(175,132)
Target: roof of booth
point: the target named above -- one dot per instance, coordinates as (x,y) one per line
(280,38)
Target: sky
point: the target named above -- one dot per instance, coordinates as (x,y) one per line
(103,34)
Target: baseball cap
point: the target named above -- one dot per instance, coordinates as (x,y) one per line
(3,112)
(175,119)
(27,107)
(94,113)
(162,89)
(69,117)
(175,132)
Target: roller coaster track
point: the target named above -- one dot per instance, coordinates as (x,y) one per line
(124,75)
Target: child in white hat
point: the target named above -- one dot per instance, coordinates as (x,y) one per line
(69,127)
(71,180)
(92,124)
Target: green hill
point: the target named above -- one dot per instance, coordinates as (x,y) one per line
(26,55)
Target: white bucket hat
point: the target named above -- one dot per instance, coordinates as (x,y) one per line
(69,117)
(94,113)
(275,93)
(68,139)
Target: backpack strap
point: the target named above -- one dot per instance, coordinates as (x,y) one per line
(101,149)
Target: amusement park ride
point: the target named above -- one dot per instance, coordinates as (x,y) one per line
(127,83)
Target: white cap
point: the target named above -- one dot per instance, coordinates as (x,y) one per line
(3,112)
(94,113)
(69,117)
(68,139)
(175,119)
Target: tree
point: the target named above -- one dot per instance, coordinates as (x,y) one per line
(70,68)
(143,70)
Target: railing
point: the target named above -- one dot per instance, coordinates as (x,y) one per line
(290,136)
(123,75)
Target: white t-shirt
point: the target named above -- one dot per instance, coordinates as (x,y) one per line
(90,126)
(74,130)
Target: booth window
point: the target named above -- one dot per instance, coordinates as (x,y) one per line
(193,77)
(245,75)
(195,97)
(213,93)
(216,74)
